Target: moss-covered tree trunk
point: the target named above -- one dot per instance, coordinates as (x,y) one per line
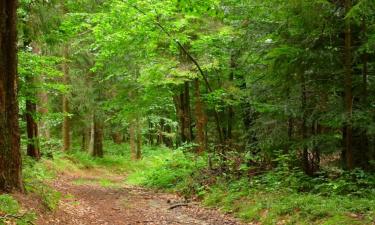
(10,154)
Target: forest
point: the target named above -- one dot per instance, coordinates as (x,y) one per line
(206,112)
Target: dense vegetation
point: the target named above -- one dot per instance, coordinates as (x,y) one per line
(265,108)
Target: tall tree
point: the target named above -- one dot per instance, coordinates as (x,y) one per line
(10,153)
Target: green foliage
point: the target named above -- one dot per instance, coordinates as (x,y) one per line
(10,212)
(35,175)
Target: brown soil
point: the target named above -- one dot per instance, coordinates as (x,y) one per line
(104,199)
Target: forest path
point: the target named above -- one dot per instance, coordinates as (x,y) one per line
(102,198)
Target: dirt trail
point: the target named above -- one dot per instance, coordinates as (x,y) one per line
(105,200)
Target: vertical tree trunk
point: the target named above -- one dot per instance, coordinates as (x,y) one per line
(92,135)
(139,139)
(98,137)
(33,149)
(188,130)
(231,115)
(10,153)
(200,118)
(85,145)
(133,146)
(43,111)
(348,85)
(65,106)
(305,152)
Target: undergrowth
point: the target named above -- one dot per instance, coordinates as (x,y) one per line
(11,212)
(282,195)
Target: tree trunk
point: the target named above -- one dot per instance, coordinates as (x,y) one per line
(92,135)
(348,96)
(65,102)
(188,129)
(139,139)
(33,149)
(43,111)
(10,153)
(231,114)
(200,118)
(133,147)
(98,137)
(85,145)
(305,151)
(179,101)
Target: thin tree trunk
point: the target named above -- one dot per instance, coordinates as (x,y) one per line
(348,85)
(231,114)
(98,137)
(200,118)
(43,111)
(133,147)
(65,106)
(188,129)
(33,149)
(92,135)
(305,152)
(85,146)
(10,152)
(139,139)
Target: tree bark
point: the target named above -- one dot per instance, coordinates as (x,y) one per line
(10,152)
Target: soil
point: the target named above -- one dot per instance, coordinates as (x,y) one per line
(97,197)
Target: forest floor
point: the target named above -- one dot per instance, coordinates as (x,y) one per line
(100,197)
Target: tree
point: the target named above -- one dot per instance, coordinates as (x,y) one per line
(10,153)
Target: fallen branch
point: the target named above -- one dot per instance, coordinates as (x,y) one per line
(178,205)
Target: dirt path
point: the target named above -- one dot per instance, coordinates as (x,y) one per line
(105,199)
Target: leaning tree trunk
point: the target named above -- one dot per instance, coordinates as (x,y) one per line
(10,153)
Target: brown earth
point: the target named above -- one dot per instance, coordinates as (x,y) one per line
(104,199)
